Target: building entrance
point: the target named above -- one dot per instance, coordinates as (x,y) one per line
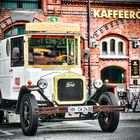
(114,74)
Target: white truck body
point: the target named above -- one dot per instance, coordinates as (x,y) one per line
(13,78)
(41,77)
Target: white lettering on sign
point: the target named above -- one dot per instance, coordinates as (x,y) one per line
(121,14)
(70,84)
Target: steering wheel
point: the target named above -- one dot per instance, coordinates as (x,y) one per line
(62,57)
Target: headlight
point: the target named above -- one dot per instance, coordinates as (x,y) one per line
(97,83)
(42,83)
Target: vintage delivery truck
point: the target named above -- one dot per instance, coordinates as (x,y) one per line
(41,79)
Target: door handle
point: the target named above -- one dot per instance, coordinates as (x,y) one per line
(11,70)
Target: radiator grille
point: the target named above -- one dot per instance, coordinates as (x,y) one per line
(70,89)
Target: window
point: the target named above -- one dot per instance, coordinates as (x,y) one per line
(112,47)
(17,52)
(120,47)
(15,30)
(26,4)
(104,47)
(50,50)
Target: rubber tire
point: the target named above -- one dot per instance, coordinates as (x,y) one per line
(29,123)
(1,116)
(108,98)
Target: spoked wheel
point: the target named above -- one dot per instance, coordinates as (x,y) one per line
(28,118)
(108,121)
(1,116)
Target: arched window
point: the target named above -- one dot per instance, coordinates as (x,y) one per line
(104,47)
(120,47)
(113,47)
(14,30)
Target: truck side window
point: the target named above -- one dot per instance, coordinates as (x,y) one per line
(17,52)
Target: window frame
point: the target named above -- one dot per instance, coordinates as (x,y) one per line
(114,53)
(21,4)
(66,41)
(17,42)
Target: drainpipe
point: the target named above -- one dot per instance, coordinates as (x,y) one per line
(88,31)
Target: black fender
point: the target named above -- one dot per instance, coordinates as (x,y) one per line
(27,90)
(23,90)
(100,91)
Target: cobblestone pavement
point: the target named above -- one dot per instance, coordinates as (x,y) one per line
(130,116)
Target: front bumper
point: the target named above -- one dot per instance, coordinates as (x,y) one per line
(47,111)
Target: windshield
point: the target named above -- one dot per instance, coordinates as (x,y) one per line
(52,50)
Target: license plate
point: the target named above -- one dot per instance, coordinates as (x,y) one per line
(80,109)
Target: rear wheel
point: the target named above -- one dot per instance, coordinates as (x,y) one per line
(28,118)
(1,116)
(108,121)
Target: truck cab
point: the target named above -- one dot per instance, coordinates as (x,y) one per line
(41,77)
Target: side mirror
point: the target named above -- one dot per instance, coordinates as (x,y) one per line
(87,53)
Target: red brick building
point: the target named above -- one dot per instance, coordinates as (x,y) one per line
(114,27)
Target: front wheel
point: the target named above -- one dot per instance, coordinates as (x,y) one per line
(108,121)
(28,118)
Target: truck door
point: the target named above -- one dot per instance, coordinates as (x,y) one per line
(17,65)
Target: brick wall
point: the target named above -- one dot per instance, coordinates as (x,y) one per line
(100,28)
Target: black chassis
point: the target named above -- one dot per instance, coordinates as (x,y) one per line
(14,105)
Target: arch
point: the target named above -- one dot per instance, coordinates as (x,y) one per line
(113,27)
(18,28)
(114,35)
(14,24)
(114,74)
(8,23)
